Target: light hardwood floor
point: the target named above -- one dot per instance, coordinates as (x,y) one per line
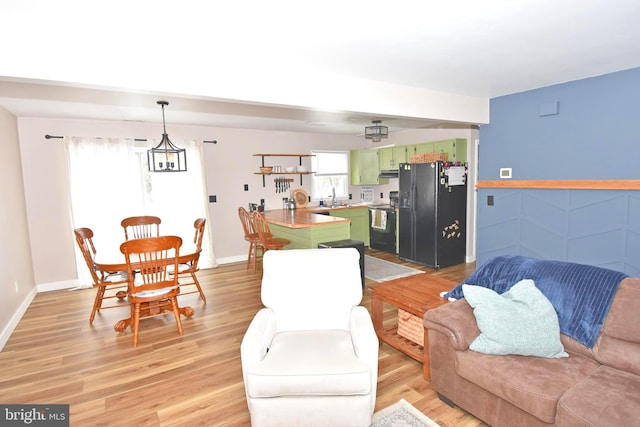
(54,356)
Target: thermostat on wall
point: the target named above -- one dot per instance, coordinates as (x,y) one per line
(505,173)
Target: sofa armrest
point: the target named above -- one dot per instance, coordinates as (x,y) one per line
(456,321)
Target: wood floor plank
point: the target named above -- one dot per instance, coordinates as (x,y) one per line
(55,356)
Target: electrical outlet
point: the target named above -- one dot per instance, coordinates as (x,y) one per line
(15,285)
(246,187)
(212,199)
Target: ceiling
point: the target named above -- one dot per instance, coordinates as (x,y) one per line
(220,63)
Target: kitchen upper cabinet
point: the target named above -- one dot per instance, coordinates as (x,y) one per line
(425,147)
(365,167)
(391,157)
(455,148)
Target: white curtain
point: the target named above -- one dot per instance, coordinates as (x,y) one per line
(109,180)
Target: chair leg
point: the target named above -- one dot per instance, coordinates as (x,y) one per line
(195,280)
(136,322)
(249,254)
(255,260)
(176,313)
(264,250)
(97,303)
(254,254)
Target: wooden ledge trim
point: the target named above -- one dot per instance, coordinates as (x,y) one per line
(586,184)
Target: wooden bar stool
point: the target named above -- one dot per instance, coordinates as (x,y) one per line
(251,236)
(267,241)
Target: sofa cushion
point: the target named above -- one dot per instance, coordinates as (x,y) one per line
(520,321)
(534,384)
(619,342)
(607,397)
(310,363)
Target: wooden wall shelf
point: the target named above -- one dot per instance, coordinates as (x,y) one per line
(299,156)
(585,184)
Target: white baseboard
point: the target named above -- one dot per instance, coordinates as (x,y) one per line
(231,259)
(56,286)
(15,319)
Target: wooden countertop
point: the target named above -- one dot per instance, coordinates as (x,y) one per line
(304,217)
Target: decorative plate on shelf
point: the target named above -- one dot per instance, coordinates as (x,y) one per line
(301,197)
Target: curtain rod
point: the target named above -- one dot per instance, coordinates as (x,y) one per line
(47,136)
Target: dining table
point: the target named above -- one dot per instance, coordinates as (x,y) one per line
(112,261)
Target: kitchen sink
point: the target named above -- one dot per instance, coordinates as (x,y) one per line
(334,207)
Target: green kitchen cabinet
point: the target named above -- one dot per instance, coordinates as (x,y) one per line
(310,237)
(364,167)
(390,157)
(425,147)
(359,222)
(456,149)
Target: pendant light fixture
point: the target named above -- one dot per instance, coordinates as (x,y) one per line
(376,132)
(166,157)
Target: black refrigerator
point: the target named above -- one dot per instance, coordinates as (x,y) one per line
(432,213)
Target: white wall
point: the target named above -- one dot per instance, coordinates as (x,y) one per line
(17,284)
(229,165)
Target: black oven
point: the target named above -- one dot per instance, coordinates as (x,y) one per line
(382,228)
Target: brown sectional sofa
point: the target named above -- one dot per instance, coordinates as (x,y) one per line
(598,386)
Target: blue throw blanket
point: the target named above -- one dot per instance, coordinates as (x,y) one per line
(581,294)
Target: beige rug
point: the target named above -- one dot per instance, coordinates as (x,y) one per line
(380,270)
(401,414)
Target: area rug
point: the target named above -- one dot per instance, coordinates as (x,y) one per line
(401,414)
(380,270)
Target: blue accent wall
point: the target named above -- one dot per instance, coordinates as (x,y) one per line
(585,129)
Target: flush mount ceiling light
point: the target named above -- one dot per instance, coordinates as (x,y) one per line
(376,132)
(166,157)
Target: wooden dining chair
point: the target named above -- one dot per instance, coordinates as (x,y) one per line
(191,267)
(102,280)
(267,241)
(139,227)
(154,289)
(251,236)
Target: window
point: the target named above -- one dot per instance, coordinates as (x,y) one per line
(103,194)
(331,174)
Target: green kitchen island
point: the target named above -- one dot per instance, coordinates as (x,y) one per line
(305,229)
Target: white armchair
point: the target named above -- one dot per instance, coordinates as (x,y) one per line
(310,358)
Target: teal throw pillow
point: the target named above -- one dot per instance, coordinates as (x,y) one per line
(519,321)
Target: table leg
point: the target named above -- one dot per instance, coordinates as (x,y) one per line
(426,360)
(152,308)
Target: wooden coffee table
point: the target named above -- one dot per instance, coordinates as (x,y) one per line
(415,294)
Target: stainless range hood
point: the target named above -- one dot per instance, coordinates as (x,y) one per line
(388,173)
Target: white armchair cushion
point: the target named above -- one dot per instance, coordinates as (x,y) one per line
(310,363)
(312,288)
